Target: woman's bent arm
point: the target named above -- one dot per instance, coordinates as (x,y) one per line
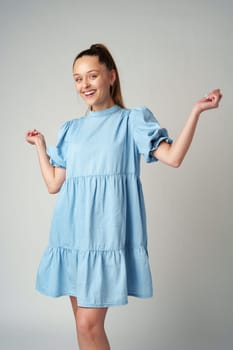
(174,154)
(53,176)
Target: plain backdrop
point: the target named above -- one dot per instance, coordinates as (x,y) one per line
(169,54)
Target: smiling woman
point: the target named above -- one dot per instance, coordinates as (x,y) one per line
(94,82)
(97,252)
(98,62)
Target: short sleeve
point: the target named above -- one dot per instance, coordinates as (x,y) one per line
(58,153)
(147,133)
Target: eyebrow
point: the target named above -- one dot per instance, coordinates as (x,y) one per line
(90,71)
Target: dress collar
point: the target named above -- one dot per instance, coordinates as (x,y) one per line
(104,112)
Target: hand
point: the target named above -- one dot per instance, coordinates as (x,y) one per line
(210,101)
(34,137)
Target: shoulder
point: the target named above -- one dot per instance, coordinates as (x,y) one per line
(139,111)
(67,128)
(72,123)
(140,114)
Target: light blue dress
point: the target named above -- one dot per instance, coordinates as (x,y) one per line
(97,249)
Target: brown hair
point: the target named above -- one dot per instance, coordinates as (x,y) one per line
(106,58)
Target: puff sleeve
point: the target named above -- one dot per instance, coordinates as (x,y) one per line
(58,153)
(147,133)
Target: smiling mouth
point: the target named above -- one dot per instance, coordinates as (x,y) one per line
(89,93)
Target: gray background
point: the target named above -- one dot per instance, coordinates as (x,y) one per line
(169,54)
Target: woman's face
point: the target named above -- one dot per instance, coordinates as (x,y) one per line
(93,81)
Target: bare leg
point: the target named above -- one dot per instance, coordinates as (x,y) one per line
(90,327)
(74,305)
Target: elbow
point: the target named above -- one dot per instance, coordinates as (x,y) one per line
(168,156)
(176,163)
(53,189)
(54,185)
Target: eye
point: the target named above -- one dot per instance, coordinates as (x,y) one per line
(93,76)
(78,79)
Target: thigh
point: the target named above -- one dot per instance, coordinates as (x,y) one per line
(74,304)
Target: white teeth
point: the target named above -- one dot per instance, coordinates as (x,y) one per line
(89,93)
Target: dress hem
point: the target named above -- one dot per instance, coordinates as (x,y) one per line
(94,305)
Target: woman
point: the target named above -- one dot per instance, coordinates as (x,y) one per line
(97,252)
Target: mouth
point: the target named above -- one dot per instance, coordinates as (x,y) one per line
(89,93)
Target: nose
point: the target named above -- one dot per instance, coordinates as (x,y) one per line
(86,83)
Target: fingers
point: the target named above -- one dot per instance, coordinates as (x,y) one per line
(212,99)
(209,101)
(33,136)
(33,132)
(215,96)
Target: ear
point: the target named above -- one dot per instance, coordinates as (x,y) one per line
(112,76)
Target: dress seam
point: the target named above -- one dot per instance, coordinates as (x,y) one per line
(103,175)
(87,250)
(98,250)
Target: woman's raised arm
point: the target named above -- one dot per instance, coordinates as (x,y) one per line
(173,154)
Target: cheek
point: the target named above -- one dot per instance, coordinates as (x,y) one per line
(104,86)
(78,88)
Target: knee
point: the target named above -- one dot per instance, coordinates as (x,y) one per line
(88,328)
